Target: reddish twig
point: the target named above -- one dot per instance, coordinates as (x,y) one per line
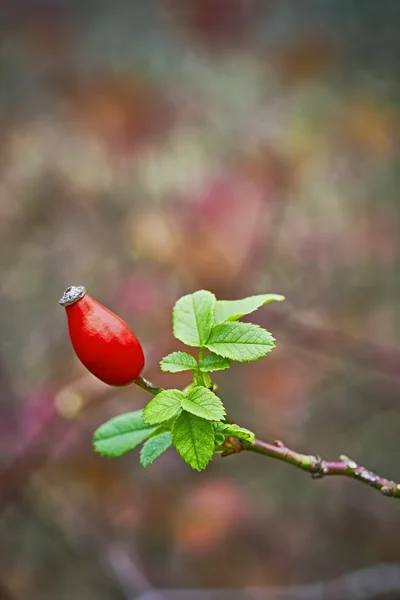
(315,465)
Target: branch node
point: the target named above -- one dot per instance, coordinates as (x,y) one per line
(318,467)
(232,445)
(387,490)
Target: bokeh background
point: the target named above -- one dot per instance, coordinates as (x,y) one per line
(152,148)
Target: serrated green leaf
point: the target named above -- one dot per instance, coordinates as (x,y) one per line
(189,387)
(204,403)
(234,431)
(232,310)
(164,406)
(193,438)
(214,362)
(178,361)
(244,342)
(121,434)
(193,317)
(154,447)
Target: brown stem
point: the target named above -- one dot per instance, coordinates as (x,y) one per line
(318,467)
(148,386)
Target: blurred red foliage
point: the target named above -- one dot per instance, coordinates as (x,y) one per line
(125,113)
(215,22)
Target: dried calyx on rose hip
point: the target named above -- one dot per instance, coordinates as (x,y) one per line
(103,342)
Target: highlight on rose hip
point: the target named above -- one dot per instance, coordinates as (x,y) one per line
(193,420)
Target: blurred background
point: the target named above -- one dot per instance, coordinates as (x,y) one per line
(156,147)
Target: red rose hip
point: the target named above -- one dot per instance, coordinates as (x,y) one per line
(103,342)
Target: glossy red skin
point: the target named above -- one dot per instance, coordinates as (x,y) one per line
(104,343)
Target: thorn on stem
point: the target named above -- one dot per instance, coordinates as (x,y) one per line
(279,444)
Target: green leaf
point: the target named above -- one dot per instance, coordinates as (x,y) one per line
(190,387)
(240,341)
(234,431)
(178,361)
(219,439)
(154,447)
(193,438)
(193,318)
(204,403)
(164,406)
(121,434)
(213,362)
(232,310)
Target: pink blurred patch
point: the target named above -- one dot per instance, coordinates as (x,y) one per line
(206,515)
(39,409)
(214,22)
(139,293)
(42,429)
(229,221)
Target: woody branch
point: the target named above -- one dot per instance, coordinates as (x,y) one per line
(315,465)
